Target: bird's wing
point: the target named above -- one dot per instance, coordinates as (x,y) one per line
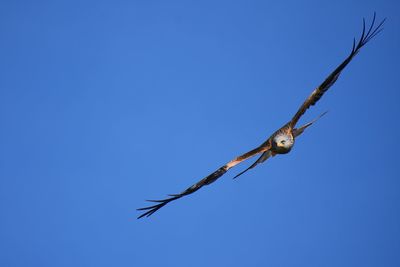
(366,36)
(264,156)
(205,181)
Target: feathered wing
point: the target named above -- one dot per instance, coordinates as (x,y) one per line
(205,181)
(366,36)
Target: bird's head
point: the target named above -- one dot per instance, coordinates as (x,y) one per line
(282,143)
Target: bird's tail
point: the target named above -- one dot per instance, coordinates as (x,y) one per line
(300,130)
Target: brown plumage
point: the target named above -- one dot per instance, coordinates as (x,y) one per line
(282,141)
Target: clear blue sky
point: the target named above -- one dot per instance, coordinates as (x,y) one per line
(104,104)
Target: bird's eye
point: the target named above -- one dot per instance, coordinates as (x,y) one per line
(283,142)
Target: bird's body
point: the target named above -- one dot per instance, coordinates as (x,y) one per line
(282,140)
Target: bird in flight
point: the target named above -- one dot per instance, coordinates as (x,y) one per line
(282,141)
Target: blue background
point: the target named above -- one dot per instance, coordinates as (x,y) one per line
(104,104)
